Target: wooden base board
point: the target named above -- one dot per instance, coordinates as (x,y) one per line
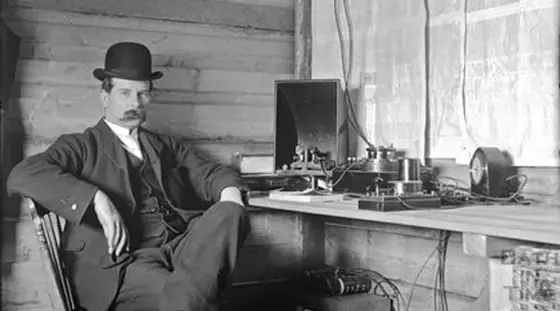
(304,196)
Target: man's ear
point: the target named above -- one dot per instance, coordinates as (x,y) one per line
(104,97)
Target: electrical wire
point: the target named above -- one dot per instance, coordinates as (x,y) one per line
(440,292)
(381,285)
(478,198)
(468,197)
(466,127)
(426,125)
(346,171)
(349,24)
(347,66)
(324,169)
(404,203)
(381,281)
(350,113)
(415,282)
(395,288)
(458,193)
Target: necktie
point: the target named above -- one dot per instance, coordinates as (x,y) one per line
(132,145)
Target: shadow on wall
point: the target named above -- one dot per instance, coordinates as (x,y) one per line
(12,137)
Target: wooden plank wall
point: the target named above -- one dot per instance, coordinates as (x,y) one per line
(405,255)
(219,59)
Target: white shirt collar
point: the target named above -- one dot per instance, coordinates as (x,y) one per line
(121,130)
(128,138)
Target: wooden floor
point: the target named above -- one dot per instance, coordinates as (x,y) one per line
(269,297)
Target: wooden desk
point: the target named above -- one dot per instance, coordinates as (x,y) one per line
(480,230)
(529,223)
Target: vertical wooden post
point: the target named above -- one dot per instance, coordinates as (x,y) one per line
(11,128)
(303,39)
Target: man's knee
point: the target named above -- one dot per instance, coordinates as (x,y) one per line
(142,286)
(230,210)
(231,216)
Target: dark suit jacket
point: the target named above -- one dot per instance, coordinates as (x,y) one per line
(66,176)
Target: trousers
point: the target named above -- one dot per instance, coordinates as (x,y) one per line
(190,271)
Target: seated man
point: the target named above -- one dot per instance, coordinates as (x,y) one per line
(131,242)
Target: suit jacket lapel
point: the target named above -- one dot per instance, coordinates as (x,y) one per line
(152,148)
(112,147)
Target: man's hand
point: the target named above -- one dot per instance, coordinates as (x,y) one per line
(112,223)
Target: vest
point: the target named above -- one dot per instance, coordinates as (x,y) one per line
(155,214)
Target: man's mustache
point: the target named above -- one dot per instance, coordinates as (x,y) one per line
(133,114)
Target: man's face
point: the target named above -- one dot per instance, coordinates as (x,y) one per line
(125,104)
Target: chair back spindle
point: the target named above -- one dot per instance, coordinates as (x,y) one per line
(49,228)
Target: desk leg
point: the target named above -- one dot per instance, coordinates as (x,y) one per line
(312,243)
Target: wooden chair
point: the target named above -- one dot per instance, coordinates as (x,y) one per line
(49,227)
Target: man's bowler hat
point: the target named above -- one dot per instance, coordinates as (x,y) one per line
(128,60)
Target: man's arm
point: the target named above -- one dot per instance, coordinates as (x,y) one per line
(211,181)
(232,194)
(50,178)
